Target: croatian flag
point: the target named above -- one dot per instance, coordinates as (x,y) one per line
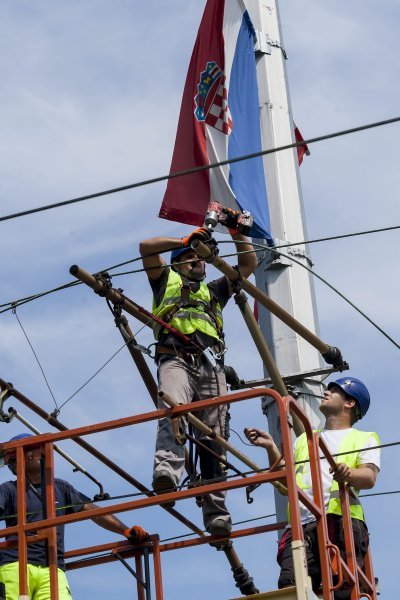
(220,120)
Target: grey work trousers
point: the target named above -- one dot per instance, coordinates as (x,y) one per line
(186,383)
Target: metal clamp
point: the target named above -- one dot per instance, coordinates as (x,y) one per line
(273,258)
(4,395)
(212,357)
(264,44)
(143,349)
(105,279)
(298,252)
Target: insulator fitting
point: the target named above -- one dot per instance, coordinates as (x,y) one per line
(243,581)
(101,496)
(232,378)
(334,357)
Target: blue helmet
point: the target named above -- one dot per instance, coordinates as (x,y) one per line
(356,389)
(20,436)
(176,253)
(11,460)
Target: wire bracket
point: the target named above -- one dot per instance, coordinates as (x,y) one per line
(4,395)
(264,44)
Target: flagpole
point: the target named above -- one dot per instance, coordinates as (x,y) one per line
(286,283)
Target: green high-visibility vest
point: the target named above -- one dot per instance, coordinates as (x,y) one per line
(354,440)
(196,312)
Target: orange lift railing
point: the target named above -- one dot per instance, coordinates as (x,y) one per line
(335,570)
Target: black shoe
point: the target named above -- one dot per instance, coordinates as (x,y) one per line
(221,527)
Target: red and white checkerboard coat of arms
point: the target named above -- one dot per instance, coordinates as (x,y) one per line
(219,115)
(212,99)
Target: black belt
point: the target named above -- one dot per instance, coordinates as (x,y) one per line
(189,355)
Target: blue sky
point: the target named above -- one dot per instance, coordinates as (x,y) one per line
(89,100)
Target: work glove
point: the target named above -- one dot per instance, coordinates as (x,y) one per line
(229,218)
(136,534)
(202,234)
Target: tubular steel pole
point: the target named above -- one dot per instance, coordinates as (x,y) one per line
(138,358)
(114,296)
(328,352)
(261,344)
(265,353)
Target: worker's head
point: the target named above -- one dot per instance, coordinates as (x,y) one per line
(194,269)
(348,393)
(10,456)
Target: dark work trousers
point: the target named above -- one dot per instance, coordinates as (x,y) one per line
(336,536)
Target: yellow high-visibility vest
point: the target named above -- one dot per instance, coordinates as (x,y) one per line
(354,440)
(197,312)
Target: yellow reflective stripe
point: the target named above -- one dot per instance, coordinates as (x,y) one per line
(186,314)
(173,300)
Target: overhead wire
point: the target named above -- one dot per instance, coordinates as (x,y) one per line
(249,472)
(8,305)
(184,173)
(332,287)
(58,408)
(337,237)
(21,301)
(188,172)
(202,168)
(137,494)
(261,248)
(36,357)
(186,535)
(101,368)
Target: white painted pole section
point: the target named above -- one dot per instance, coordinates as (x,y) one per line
(286,283)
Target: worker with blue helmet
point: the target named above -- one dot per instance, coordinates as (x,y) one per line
(68,501)
(183,300)
(346,400)
(356,389)
(177,252)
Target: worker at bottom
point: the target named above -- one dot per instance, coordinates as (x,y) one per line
(346,400)
(183,300)
(68,501)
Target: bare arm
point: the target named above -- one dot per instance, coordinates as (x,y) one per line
(362,477)
(247,262)
(151,250)
(109,522)
(135,534)
(260,438)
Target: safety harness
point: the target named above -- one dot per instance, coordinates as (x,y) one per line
(189,310)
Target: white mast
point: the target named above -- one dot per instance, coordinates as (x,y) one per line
(286,283)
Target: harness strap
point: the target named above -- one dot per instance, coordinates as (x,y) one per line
(185,301)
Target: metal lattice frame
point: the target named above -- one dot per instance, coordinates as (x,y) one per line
(331,563)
